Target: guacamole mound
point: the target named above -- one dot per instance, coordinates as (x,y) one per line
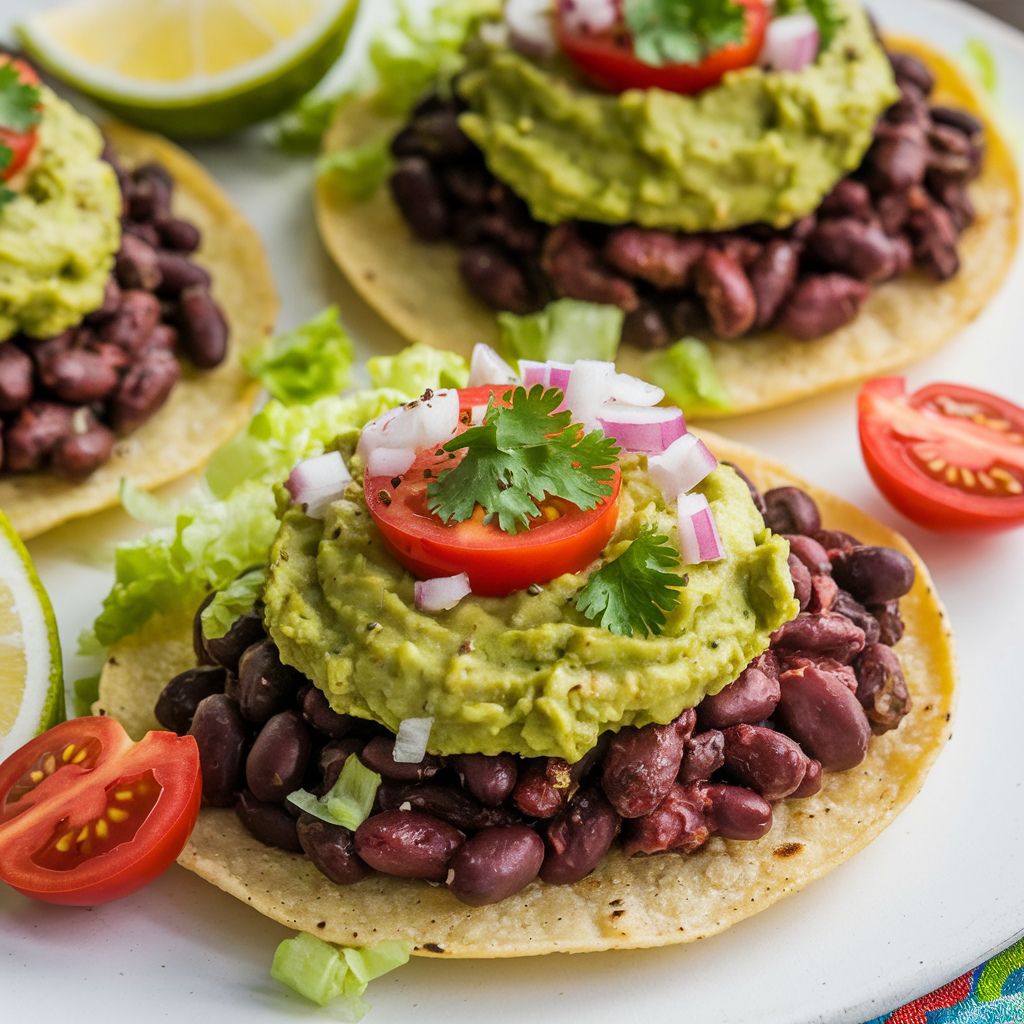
(58,236)
(525,673)
(760,147)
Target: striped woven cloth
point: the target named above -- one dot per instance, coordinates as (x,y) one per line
(990,994)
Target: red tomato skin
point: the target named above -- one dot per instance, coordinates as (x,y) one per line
(126,867)
(925,501)
(612,67)
(20,144)
(497,564)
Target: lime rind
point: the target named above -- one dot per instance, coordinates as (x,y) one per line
(42,644)
(212,106)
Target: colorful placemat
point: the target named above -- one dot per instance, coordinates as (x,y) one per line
(990,994)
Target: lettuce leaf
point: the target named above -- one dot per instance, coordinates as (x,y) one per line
(299,130)
(565,331)
(356,172)
(312,361)
(325,974)
(348,802)
(687,373)
(238,598)
(417,368)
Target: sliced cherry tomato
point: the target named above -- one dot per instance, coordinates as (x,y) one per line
(88,816)
(563,538)
(608,59)
(20,144)
(949,457)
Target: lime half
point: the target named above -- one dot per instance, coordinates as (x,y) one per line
(201,68)
(31,680)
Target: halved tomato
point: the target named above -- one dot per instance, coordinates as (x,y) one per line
(609,61)
(20,144)
(949,457)
(562,539)
(88,816)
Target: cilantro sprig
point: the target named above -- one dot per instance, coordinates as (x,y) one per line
(19,113)
(520,455)
(634,592)
(670,32)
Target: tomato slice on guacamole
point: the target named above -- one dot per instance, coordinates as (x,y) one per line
(88,816)
(561,539)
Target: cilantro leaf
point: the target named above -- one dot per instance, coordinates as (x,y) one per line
(19,102)
(634,592)
(824,12)
(519,456)
(670,32)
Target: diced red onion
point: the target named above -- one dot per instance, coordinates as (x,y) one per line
(640,428)
(790,43)
(390,461)
(530,27)
(487,367)
(314,483)
(548,375)
(682,466)
(698,535)
(411,740)
(588,17)
(589,387)
(417,424)
(634,391)
(442,593)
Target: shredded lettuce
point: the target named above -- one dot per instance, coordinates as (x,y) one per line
(417,368)
(279,436)
(687,373)
(422,49)
(326,974)
(356,172)
(299,130)
(312,361)
(238,598)
(565,331)
(982,64)
(348,802)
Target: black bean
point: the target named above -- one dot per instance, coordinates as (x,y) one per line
(136,265)
(177,273)
(750,699)
(15,378)
(495,863)
(791,510)
(332,849)
(266,686)
(227,650)
(418,195)
(143,390)
(679,822)
(736,812)
(826,635)
(178,234)
(221,736)
(408,844)
(270,823)
(32,435)
(766,761)
(641,766)
(881,688)
(579,837)
(490,778)
(277,761)
(316,710)
(890,624)
(177,703)
(378,755)
(82,452)
(704,755)
(874,575)
(202,329)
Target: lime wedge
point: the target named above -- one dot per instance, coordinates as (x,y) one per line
(199,69)
(31,680)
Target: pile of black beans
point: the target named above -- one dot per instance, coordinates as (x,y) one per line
(65,400)
(905,207)
(487,826)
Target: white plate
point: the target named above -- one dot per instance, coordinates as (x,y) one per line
(937,893)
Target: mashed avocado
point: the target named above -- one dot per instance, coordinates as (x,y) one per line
(59,235)
(759,147)
(525,673)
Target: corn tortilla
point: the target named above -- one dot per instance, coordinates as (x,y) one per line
(206,407)
(626,903)
(416,287)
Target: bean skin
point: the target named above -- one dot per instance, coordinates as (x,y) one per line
(811,553)
(444,802)
(227,650)
(266,685)
(641,766)
(543,787)
(176,706)
(881,688)
(408,844)
(491,779)
(202,329)
(801,577)
(736,812)
(766,761)
(819,711)
(679,822)
(270,823)
(874,575)
(579,838)
(890,624)
(705,754)
(844,604)
(791,510)
(750,699)
(317,711)
(378,756)
(811,783)
(331,848)
(221,735)
(276,764)
(827,635)
(495,863)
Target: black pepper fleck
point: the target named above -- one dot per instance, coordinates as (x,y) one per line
(384,497)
